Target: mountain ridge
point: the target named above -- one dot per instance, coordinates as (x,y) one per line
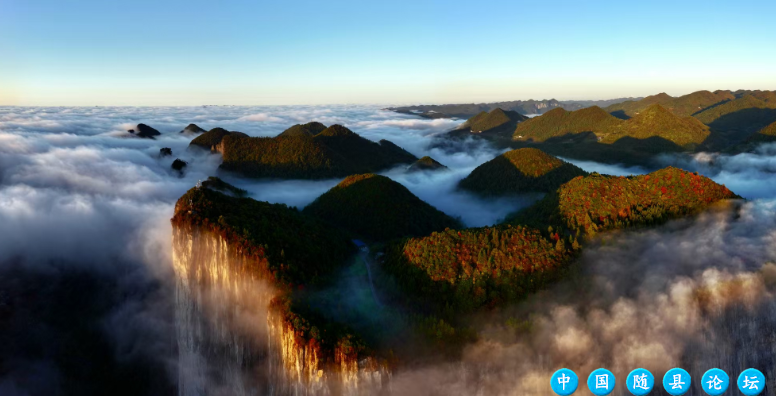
(524,107)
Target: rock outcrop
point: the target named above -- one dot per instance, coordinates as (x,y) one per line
(192,129)
(144,131)
(179,165)
(425,164)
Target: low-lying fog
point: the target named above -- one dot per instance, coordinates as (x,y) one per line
(78,193)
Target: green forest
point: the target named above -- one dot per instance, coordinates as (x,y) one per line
(297,154)
(653,121)
(464,270)
(559,122)
(424,164)
(458,271)
(294,249)
(496,119)
(588,205)
(520,171)
(377,208)
(433,271)
(210,139)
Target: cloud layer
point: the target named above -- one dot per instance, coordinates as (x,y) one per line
(80,195)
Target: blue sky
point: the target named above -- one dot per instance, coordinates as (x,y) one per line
(317,52)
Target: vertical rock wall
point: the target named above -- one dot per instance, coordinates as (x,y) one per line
(230,343)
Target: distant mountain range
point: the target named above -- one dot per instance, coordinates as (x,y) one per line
(631,131)
(653,122)
(524,107)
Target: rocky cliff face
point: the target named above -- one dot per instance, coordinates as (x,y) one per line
(231,342)
(304,369)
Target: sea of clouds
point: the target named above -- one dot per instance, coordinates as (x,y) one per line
(78,193)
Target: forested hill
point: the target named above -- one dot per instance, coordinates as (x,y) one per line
(767,134)
(456,271)
(588,205)
(560,122)
(376,208)
(494,122)
(682,106)
(746,114)
(309,129)
(653,122)
(296,249)
(657,121)
(734,114)
(520,171)
(310,151)
(211,139)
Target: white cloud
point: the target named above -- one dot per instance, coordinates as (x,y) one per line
(260,117)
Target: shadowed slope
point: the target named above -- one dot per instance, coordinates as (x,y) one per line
(193,129)
(731,115)
(495,121)
(424,164)
(765,135)
(559,122)
(682,106)
(333,152)
(377,208)
(656,121)
(629,108)
(520,171)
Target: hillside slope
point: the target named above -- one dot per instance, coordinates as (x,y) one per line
(377,208)
(425,164)
(558,123)
(655,123)
(458,271)
(588,205)
(495,121)
(630,108)
(765,135)
(454,272)
(682,106)
(309,129)
(520,171)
